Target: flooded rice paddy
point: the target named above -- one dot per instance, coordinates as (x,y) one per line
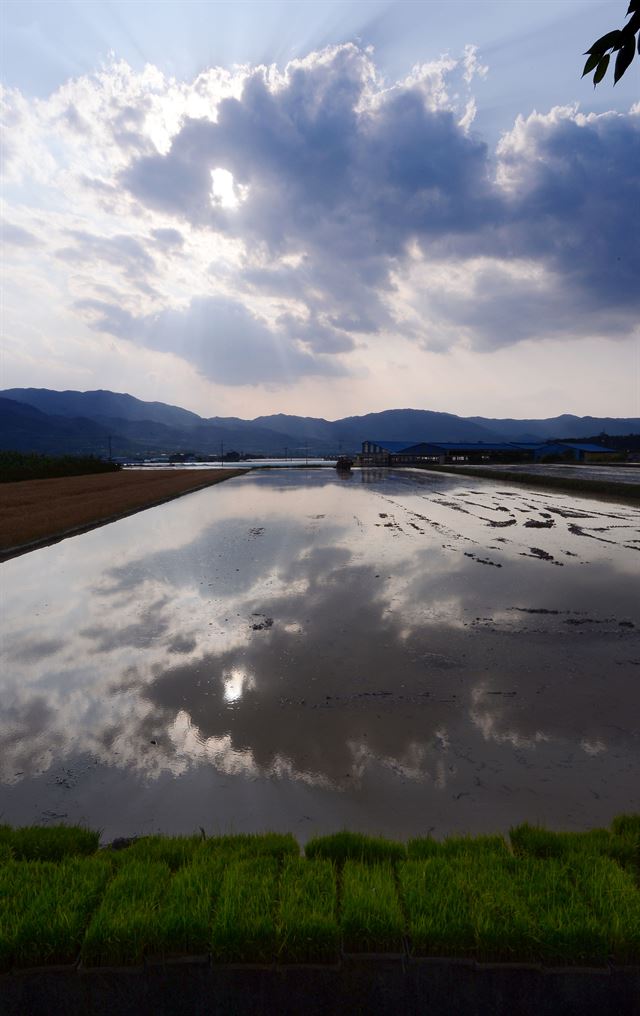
(394,652)
(623,473)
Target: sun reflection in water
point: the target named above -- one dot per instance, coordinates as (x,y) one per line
(236,682)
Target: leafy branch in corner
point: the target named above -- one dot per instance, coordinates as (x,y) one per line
(622,42)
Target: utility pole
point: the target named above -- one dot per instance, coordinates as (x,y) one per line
(222,453)
(306,455)
(285,453)
(109,447)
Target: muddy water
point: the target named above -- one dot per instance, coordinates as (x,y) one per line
(392,652)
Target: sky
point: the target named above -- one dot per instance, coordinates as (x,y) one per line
(324,209)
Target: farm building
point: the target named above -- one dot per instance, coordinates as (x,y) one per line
(395,453)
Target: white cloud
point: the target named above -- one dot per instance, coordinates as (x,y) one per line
(281,226)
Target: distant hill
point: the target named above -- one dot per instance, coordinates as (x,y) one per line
(39,419)
(94,405)
(561,426)
(23,428)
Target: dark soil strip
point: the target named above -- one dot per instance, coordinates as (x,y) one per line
(36,513)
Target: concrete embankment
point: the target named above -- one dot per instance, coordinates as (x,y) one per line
(372,985)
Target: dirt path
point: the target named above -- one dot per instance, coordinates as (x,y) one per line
(36,512)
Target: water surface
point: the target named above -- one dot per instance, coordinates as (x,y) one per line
(395,652)
(614,473)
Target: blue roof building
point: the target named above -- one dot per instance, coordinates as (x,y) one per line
(404,452)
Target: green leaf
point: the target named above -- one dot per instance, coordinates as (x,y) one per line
(623,59)
(591,63)
(608,41)
(601,70)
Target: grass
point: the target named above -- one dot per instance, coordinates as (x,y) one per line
(125,927)
(185,917)
(371,918)
(6,853)
(436,900)
(346,846)
(30,466)
(455,846)
(535,841)
(20,884)
(558,898)
(244,924)
(627,825)
(307,919)
(52,927)
(614,899)
(174,851)
(49,843)
(565,930)
(503,909)
(177,851)
(247,845)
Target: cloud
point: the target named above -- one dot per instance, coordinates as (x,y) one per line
(220,337)
(573,192)
(344,175)
(16,235)
(168,238)
(268,225)
(120,250)
(562,260)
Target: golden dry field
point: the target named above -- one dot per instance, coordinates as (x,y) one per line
(39,510)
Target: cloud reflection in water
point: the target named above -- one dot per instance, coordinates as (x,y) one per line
(350,634)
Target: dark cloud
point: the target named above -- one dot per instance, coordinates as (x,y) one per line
(577,203)
(347,189)
(343,177)
(220,337)
(168,238)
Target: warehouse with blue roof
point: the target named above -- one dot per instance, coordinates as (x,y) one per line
(392,453)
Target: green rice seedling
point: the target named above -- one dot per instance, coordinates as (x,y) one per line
(438,905)
(51,843)
(244,846)
(628,828)
(502,923)
(53,924)
(6,853)
(244,924)
(564,928)
(626,824)
(614,899)
(126,927)
(175,851)
(346,846)
(535,841)
(20,883)
(307,919)
(185,917)
(370,914)
(454,846)
(466,904)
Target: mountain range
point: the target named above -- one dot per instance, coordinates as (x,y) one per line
(51,422)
